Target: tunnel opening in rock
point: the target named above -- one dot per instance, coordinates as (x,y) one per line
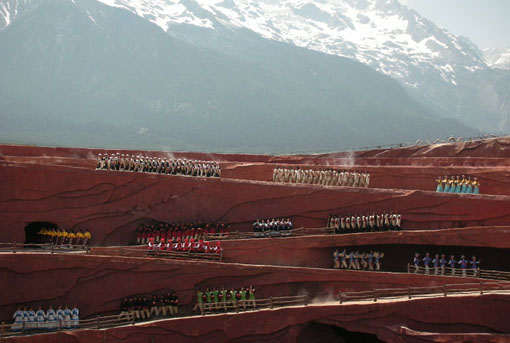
(316,332)
(32,231)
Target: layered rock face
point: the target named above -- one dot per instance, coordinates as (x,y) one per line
(60,186)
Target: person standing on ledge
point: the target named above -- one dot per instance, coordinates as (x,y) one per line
(416,262)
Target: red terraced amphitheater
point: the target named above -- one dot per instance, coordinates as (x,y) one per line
(60,186)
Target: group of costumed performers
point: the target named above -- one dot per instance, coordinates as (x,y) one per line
(357,261)
(272,227)
(222,299)
(64,237)
(191,245)
(369,223)
(49,320)
(456,184)
(143,307)
(173,232)
(440,263)
(324,177)
(157,165)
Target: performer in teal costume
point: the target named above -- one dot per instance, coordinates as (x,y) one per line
(439,185)
(446,183)
(476,186)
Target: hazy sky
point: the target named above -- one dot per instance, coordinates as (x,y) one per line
(485,22)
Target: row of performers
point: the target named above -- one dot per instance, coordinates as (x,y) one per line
(371,222)
(183,231)
(185,245)
(272,227)
(144,308)
(357,261)
(64,237)
(144,164)
(324,177)
(221,299)
(439,264)
(63,318)
(456,184)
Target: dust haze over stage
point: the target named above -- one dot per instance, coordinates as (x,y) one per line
(60,187)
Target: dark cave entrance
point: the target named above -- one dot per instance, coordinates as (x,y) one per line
(31,230)
(316,332)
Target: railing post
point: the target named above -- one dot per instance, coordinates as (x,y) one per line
(23,328)
(444,290)
(52,248)
(409,291)
(2,331)
(221,256)
(270,302)
(375,295)
(408,268)
(14,247)
(481,288)
(97,322)
(341,298)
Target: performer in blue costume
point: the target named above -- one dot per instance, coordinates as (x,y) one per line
(75,317)
(452,263)
(463,265)
(442,263)
(51,319)
(40,317)
(18,320)
(426,263)
(416,262)
(435,263)
(474,266)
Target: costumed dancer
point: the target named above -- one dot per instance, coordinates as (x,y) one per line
(18,320)
(452,263)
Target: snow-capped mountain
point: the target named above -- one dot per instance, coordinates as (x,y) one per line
(497,57)
(442,70)
(381,33)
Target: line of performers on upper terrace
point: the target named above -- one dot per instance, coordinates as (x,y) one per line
(325,177)
(366,223)
(439,264)
(181,231)
(28,319)
(458,184)
(357,261)
(157,165)
(272,227)
(64,237)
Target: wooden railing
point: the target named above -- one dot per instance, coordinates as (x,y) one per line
(459,272)
(178,255)
(8,330)
(302,231)
(270,302)
(410,292)
(42,247)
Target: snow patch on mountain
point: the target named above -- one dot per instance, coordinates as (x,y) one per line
(497,57)
(9,9)
(161,12)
